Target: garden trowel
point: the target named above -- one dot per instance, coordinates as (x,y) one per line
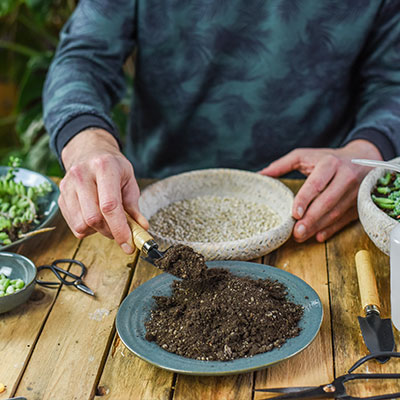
(377,332)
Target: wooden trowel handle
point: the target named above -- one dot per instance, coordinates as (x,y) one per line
(139,235)
(366,280)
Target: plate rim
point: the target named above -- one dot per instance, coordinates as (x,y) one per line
(227,371)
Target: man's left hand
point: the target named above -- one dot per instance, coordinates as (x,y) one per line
(327,201)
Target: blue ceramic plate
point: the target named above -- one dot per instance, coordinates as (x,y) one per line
(135,310)
(48,206)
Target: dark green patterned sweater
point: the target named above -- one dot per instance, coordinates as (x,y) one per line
(229,83)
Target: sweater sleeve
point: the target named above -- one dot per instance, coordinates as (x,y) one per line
(378,108)
(86,79)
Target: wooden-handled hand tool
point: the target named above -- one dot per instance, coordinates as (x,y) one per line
(377,332)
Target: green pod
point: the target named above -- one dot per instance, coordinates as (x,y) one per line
(3,235)
(31,193)
(382,199)
(5,207)
(14,199)
(12,211)
(385,180)
(383,189)
(19,284)
(11,187)
(5,283)
(22,203)
(16,221)
(10,290)
(22,189)
(17,189)
(28,216)
(384,205)
(384,202)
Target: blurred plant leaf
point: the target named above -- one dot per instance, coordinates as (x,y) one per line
(32,134)
(7,6)
(26,117)
(39,155)
(31,85)
(40,7)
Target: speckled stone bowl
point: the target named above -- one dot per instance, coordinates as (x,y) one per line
(376,223)
(224,182)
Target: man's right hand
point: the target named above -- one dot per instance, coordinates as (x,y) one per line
(98,188)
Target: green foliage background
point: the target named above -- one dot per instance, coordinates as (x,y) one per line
(28,38)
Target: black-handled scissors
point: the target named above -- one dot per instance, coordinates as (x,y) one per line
(76,280)
(337,389)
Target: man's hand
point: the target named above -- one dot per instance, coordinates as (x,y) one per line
(327,201)
(98,188)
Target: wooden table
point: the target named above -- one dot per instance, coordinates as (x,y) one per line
(62,344)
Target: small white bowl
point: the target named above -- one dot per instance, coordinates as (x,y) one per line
(231,183)
(376,223)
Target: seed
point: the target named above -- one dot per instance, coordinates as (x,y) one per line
(213,219)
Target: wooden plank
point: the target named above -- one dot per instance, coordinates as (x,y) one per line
(233,387)
(346,306)
(69,354)
(126,376)
(21,327)
(314,365)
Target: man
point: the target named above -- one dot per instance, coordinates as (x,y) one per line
(289,84)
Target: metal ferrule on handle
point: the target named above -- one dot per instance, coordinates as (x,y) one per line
(140,237)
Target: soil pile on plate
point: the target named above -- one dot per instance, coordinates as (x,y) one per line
(215,315)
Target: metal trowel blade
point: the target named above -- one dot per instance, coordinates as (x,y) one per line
(377,334)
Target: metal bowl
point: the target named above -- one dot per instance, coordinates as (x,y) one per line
(48,206)
(222,182)
(376,223)
(15,266)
